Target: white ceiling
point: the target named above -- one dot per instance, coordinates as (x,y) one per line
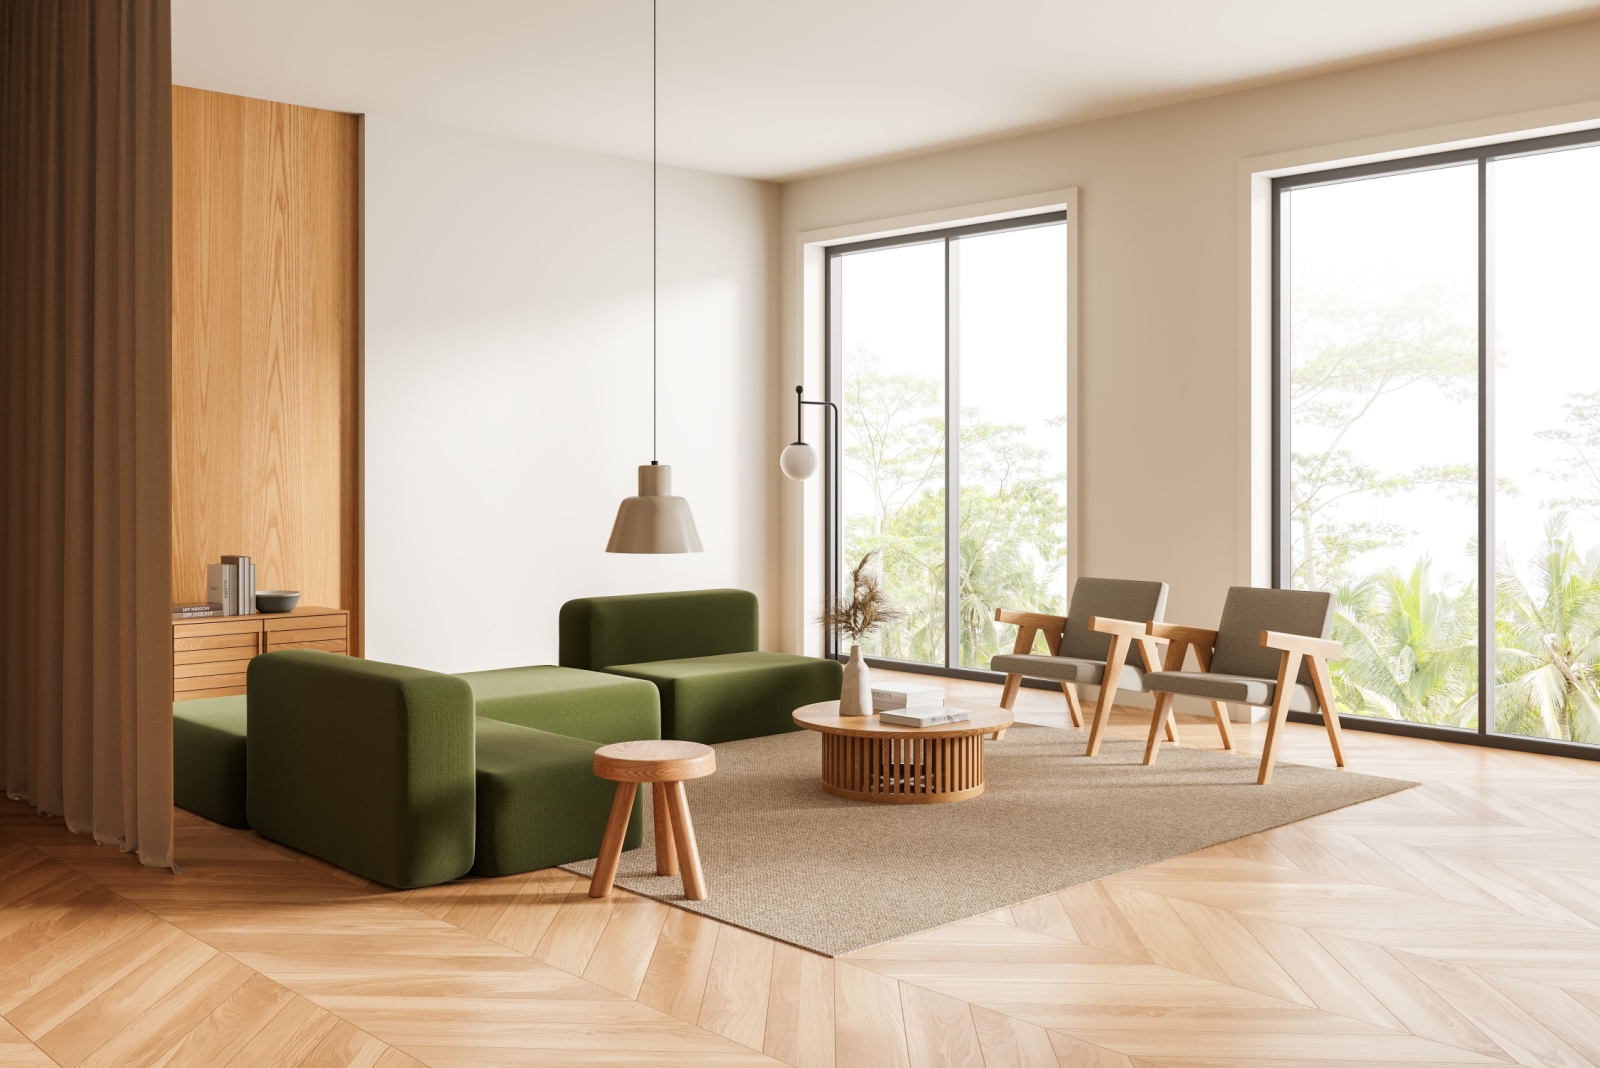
(770,89)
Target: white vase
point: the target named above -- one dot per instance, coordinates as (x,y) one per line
(855,697)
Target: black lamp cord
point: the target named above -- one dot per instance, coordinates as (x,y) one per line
(655,315)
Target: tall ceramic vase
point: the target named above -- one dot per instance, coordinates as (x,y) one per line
(855,698)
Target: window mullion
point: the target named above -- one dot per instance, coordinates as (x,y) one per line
(952,454)
(1486,481)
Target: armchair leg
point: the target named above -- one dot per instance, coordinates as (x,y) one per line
(1008,695)
(1323,683)
(1219,710)
(1159,722)
(1287,673)
(1172,728)
(1102,716)
(1074,706)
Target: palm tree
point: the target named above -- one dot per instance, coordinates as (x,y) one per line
(1410,649)
(1547,643)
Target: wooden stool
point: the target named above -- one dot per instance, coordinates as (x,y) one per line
(665,764)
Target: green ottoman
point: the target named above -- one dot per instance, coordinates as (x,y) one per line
(579,704)
(721,698)
(208,758)
(539,802)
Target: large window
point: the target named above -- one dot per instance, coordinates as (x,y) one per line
(1438,434)
(947,355)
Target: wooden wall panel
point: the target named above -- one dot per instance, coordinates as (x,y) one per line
(266,346)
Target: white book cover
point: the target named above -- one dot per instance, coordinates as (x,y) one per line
(906,695)
(925,717)
(221,584)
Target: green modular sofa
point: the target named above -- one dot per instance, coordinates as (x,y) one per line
(391,772)
(701,650)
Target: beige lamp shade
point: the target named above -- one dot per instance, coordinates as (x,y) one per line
(655,521)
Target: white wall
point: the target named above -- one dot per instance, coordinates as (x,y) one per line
(507,385)
(1165,438)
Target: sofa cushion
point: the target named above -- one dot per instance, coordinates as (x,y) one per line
(597,632)
(208,758)
(720,698)
(579,704)
(539,802)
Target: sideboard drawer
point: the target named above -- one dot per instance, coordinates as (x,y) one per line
(211,658)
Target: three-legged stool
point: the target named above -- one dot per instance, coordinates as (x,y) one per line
(664,764)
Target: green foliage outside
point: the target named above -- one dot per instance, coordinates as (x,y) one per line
(1013,520)
(1411,635)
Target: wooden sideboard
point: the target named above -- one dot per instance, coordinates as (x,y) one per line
(210,656)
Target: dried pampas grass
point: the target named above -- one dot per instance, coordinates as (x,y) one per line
(866,610)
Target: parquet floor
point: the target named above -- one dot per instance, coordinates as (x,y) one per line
(1454,924)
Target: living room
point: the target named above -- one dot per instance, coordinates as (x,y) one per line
(427,426)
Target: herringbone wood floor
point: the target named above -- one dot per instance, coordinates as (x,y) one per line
(1454,924)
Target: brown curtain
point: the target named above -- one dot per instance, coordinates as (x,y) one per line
(85,290)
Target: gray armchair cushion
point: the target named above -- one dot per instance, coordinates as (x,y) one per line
(1249,611)
(1069,669)
(1132,599)
(1240,689)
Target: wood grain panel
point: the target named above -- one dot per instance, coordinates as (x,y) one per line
(266,345)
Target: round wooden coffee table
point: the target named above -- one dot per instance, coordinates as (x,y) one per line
(866,760)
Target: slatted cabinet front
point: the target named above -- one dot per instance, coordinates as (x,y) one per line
(210,657)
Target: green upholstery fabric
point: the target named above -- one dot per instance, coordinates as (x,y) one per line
(579,704)
(598,632)
(366,765)
(539,801)
(736,695)
(208,758)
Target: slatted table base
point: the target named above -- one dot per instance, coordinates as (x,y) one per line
(902,770)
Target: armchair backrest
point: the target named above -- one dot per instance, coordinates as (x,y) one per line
(601,632)
(1249,611)
(370,766)
(1133,599)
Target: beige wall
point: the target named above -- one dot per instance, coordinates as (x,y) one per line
(1164,437)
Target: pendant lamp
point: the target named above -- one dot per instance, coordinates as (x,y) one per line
(655,521)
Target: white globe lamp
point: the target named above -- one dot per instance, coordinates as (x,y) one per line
(798,460)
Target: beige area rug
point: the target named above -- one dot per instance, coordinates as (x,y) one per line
(786,860)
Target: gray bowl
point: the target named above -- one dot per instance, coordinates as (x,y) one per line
(277,600)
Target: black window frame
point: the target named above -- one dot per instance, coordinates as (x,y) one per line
(833,385)
(1481,157)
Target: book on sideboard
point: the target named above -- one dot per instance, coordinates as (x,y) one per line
(231,585)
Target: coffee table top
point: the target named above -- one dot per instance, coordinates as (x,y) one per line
(824,717)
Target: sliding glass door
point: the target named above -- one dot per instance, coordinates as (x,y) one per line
(947,355)
(1438,392)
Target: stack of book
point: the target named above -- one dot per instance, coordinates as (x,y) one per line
(230,590)
(911,704)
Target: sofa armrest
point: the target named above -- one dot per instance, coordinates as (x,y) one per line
(366,765)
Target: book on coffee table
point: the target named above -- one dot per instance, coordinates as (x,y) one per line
(924,717)
(898,695)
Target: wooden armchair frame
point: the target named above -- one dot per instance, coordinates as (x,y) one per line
(1295,647)
(1124,635)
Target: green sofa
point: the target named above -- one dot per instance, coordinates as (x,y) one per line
(388,771)
(208,758)
(701,650)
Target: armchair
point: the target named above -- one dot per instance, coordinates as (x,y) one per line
(1271,649)
(1105,621)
